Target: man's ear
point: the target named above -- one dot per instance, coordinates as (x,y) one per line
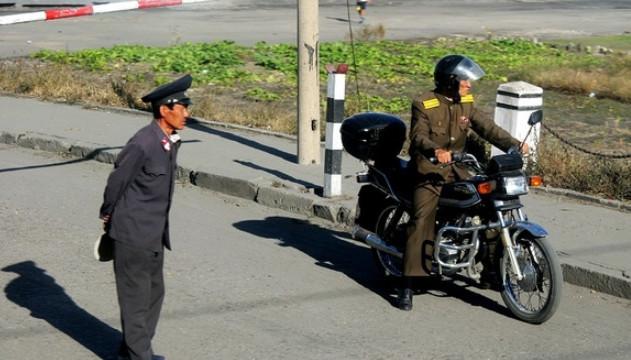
(163,110)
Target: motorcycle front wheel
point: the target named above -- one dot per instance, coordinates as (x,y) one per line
(536,297)
(391,265)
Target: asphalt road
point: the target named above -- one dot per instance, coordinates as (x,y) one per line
(248,282)
(250,21)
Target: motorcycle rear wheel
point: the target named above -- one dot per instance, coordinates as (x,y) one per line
(391,265)
(536,297)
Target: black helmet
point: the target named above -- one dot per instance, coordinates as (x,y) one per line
(451,69)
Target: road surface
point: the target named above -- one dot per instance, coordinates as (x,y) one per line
(248,282)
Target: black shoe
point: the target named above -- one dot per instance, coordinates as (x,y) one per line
(405,299)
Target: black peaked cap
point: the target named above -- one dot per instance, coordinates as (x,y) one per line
(171,93)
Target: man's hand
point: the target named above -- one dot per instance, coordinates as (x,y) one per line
(524,149)
(443,156)
(106,220)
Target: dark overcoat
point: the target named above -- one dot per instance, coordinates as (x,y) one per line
(139,190)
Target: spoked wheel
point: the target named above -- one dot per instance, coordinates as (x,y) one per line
(535,298)
(391,228)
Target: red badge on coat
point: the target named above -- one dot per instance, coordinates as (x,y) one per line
(166,144)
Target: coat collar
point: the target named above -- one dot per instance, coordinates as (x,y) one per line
(443,99)
(166,142)
(157,130)
(174,137)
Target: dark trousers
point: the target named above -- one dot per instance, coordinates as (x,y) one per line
(140,289)
(417,259)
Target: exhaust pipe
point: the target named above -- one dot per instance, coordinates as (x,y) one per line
(373,240)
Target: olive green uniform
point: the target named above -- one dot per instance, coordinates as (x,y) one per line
(438,123)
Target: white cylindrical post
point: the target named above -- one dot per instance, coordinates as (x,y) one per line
(336,88)
(514,104)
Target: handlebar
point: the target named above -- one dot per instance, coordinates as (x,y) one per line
(456,157)
(461,158)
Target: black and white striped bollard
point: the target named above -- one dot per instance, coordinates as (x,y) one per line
(334,116)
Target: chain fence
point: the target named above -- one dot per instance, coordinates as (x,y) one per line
(582,149)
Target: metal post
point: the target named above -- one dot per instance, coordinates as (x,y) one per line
(514,104)
(336,87)
(308,83)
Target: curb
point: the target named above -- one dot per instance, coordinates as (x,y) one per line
(276,195)
(264,192)
(596,277)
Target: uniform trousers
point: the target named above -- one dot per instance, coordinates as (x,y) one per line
(419,247)
(140,289)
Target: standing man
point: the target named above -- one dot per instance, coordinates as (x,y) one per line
(441,121)
(135,214)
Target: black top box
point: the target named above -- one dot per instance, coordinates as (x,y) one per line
(373,136)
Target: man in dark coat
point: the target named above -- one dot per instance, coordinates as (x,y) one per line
(135,214)
(442,120)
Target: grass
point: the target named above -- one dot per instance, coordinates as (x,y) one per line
(565,168)
(587,96)
(615,42)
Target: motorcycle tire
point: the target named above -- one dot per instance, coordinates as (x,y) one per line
(536,297)
(390,265)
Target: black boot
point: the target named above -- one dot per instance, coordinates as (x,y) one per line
(490,277)
(404,302)
(490,280)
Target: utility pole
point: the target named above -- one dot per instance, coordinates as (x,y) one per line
(308,83)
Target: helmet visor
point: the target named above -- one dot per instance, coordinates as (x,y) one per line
(467,69)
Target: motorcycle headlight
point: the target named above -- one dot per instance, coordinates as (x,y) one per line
(516,185)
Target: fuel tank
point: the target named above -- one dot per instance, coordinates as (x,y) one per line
(460,195)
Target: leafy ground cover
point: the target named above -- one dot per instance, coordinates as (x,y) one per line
(587,96)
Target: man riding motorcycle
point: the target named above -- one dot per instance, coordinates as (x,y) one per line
(441,121)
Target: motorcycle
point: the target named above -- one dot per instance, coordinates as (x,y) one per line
(481,227)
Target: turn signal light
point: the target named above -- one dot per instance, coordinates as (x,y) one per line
(535,181)
(485,187)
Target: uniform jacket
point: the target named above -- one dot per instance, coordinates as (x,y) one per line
(437,124)
(139,190)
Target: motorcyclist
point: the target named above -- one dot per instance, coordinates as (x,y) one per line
(441,121)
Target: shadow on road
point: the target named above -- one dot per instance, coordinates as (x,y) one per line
(337,19)
(354,260)
(90,156)
(281,175)
(38,292)
(197,125)
(325,247)
(461,291)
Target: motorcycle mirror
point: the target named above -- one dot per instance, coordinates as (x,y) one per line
(535,117)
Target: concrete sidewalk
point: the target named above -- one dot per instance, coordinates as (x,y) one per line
(593,241)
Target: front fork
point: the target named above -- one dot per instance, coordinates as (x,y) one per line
(508,244)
